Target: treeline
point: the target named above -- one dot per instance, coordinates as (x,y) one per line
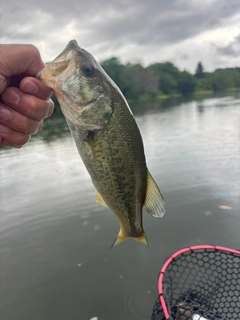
(160,79)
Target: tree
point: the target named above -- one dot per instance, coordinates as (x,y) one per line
(199,71)
(186,83)
(141,81)
(114,69)
(166,67)
(222,80)
(204,84)
(167,75)
(167,83)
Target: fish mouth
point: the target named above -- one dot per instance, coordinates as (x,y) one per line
(68,53)
(55,71)
(60,68)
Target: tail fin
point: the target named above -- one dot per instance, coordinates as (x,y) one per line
(120,238)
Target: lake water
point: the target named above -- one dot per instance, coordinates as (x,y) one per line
(55,256)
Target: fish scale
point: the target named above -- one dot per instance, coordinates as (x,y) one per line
(107,138)
(115,163)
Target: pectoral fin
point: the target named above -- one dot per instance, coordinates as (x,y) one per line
(100,200)
(154,202)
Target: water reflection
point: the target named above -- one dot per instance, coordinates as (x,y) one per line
(200,108)
(55,255)
(56,127)
(143,107)
(53,129)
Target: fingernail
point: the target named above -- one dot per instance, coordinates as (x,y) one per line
(5,113)
(49,95)
(16,146)
(50,110)
(30,87)
(12,97)
(4,130)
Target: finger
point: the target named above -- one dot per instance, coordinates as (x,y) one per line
(28,105)
(33,86)
(20,58)
(40,126)
(5,143)
(13,137)
(17,121)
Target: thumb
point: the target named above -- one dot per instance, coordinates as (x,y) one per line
(17,59)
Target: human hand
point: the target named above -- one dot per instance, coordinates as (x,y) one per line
(24,100)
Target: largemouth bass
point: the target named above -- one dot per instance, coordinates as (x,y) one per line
(107,138)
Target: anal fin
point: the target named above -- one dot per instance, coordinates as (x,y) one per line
(154,202)
(100,200)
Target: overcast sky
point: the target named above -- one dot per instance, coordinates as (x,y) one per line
(181,31)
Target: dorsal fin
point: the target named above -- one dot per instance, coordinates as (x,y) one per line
(154,202)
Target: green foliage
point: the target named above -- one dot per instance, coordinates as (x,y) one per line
(141,81)
(205,83)
(164,79)
(232,75)
(236,79)
(167,83)
(166,67)
(186,83)
(161,80)
(199,71)
(171,80)
(115,70)
(222,80)
(167,75)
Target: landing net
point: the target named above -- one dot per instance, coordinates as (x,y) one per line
(199,283)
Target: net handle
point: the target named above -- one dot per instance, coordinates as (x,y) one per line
(174,256)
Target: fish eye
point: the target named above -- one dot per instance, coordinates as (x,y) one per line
(88,69)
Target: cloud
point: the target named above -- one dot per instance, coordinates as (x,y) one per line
(184,56)
(232,49)
(132,30)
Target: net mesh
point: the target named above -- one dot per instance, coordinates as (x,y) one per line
(200,285)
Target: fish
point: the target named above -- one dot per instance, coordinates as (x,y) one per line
(193,311)
(107,138)
(184,311)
